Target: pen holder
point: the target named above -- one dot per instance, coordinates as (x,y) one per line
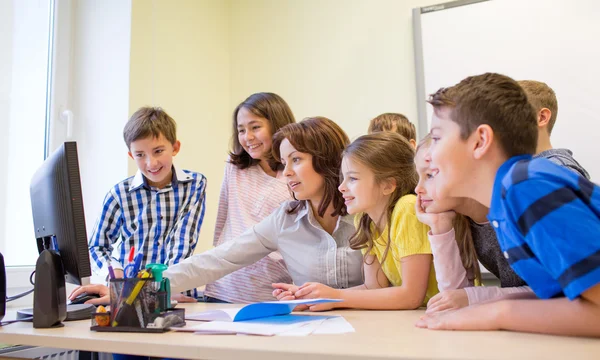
(139,305)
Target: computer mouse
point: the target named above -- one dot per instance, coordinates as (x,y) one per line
(83,297)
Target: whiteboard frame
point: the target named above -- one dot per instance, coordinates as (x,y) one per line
(422,124)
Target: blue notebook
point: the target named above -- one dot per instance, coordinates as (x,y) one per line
(255,310)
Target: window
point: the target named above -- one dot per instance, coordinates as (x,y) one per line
(25,67)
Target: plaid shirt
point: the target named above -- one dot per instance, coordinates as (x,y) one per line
(162,224)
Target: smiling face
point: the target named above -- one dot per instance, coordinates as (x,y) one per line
(360,189)
(302,178)
(450,157)
(430,202)
(154,157)
(254,134)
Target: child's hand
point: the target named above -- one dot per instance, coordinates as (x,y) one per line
(440,223)
(102,291)
(447,300)
(322,307)
(475,317)
(311,290)
(284,291)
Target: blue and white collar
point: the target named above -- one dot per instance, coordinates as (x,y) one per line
(178,176)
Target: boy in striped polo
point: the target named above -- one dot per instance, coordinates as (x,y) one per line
(159,211)
(546,217)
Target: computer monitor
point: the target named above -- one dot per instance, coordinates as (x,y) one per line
(58,217)
(59,226)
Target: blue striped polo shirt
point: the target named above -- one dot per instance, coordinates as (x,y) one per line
(547,219)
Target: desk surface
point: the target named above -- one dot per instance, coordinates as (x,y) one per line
(379,335)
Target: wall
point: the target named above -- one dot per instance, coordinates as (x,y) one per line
(347,60)
(180,60)
(98,96)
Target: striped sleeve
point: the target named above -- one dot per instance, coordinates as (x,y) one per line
(223,206)
(106,232)
(560,225)
(186,230)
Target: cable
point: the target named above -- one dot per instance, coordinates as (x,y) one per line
(3,323)
(18,296)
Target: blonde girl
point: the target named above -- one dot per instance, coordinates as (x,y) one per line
(379,179)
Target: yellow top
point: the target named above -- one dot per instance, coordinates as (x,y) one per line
(409,237)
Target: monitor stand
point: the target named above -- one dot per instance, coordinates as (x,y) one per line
(50,297)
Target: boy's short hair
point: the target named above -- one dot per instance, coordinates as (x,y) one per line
(389,121)
(495,100)
(541,96)
(149,121)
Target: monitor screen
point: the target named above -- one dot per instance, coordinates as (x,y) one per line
(58,218)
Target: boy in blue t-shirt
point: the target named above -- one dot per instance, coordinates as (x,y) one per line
(547,218)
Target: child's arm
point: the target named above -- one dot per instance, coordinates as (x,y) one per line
(480,294)
(186,230)
(459,298)
(106,233)
(223,206)
(409,295)
(579,317)
(449,270)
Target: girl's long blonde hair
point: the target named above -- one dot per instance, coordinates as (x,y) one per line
(462,230)
(389,156)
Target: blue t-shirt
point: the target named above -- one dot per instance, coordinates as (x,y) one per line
(547,219)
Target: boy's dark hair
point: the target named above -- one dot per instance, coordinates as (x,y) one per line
(268,106)
(149,121)
(495,100)
(325,141)
(389,121)
(541,96)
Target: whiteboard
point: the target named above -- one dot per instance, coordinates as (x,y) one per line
(554,41)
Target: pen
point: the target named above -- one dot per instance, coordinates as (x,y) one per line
(129,269)
(111,271)
(137,263)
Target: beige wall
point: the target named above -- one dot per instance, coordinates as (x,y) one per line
(349,60)
(180,61)
(345,59)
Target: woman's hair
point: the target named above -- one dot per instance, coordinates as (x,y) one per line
(265,105)
(390,157)
(325,141)
(462,230)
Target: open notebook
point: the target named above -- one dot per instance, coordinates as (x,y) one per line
(255,310)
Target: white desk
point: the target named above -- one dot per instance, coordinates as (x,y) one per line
(379,335)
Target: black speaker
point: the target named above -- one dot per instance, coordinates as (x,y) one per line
(49,295)
(2,288)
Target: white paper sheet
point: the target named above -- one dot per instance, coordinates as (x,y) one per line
(285,325)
